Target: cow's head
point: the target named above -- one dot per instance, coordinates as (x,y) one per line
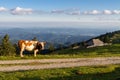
(41,45)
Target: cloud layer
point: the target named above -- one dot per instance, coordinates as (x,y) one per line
(21,11)
(71,11)
(91,12)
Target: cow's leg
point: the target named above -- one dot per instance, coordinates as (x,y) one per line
(21,53)
(35,52)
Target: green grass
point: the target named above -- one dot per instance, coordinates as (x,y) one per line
(110,72)
(105,51)
(110,50)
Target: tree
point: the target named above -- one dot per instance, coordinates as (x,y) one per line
(6,46)
(106,39)
(83,44)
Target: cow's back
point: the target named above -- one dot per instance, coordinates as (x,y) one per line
(27,44)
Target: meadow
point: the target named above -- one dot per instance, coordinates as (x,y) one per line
(103,51)
(109,72)
(105,72)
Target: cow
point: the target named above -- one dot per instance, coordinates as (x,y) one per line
(30,45)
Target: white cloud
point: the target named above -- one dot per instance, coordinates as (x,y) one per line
(93,12)
(21,11)
(104,12)
(107,12)
(116,11)
(2,9)
(71,11)
(74,13)
(57,11)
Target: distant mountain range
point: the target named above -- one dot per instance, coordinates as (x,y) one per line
(56,36)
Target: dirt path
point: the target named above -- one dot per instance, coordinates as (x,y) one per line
(17,65)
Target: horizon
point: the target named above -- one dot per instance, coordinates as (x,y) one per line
(85,25)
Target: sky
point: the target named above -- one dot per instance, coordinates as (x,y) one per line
(72,12)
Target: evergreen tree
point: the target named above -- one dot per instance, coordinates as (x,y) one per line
(83,44)
(106,39)
(6,47)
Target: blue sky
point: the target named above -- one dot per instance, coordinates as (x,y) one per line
(62,4)
(60,11)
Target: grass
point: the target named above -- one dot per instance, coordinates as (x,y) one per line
(110,50)
(110,72)
(105,51)
(56,56)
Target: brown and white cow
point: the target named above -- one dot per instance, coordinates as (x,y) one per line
(30,46)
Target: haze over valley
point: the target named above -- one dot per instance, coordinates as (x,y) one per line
(55,35)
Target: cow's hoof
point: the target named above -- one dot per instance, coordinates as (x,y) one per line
(21,56)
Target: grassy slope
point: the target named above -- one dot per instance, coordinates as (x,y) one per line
(105,51)
(111,72)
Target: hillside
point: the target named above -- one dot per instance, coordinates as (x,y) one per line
(110,37)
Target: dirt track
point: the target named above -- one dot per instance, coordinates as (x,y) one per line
(18,65)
